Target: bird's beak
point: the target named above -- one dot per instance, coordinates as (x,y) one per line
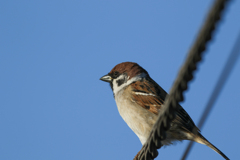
(106,78)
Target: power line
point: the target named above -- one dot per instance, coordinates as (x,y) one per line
(158,133)
(232,59)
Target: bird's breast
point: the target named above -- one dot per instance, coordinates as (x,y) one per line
(138,119)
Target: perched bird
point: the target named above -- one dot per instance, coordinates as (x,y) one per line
(139,100)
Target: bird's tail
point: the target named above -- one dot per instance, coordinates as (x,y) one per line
(203,140)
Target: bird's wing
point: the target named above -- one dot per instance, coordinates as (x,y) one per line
(149,95)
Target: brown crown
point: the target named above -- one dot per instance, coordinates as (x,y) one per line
(132,69)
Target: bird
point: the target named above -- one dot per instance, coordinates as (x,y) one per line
(139,100)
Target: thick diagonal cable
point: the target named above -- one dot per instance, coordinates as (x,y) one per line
(231,61)
(158,133)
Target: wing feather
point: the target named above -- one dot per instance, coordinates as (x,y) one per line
(149,95)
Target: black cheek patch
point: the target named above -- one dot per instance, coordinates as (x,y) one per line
(120,82)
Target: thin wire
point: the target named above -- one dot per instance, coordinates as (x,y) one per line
(232,59)
(158,133)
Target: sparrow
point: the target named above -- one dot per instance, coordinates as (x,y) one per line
(139,100)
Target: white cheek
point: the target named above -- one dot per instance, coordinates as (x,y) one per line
(117,88)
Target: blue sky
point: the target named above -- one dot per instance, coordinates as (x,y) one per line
(52,53)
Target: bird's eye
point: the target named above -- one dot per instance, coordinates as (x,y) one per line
(115,74)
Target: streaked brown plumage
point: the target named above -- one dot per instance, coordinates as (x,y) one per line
(139,100)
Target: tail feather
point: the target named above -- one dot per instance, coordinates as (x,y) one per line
(203,140)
